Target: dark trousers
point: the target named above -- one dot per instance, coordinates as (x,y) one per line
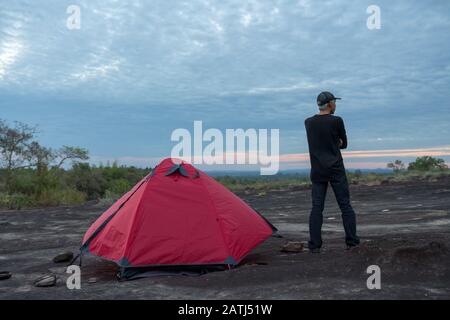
(319,191)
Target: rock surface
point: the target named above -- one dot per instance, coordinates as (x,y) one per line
(409,243)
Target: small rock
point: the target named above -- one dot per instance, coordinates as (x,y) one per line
(48,280)
(5,275)
(92,280)
(292,246)
(385,210)
(331,218)
(63,257)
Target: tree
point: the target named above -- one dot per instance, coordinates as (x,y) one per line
(19,150)
(397,165)
(38,156)
(14,147)
(70,153)
(427,163)
(14,144)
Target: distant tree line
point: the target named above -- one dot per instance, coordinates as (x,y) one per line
(425,163)
(34,175)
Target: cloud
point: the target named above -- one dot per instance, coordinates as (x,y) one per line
(11,43)
(9,53)
(92,71)
(412,153)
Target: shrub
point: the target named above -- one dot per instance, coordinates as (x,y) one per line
(88,181)
(427,163)
(396,166)
(58,197)
(118,187)
(15,201)
(22,182)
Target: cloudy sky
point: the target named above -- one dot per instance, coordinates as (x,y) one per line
(137,70)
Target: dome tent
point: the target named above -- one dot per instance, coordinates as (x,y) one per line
(176,217)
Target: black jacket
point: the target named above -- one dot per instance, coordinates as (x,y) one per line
(323,133)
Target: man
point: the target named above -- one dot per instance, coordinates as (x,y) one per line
(326,136)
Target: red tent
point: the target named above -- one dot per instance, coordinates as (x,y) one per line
(176,216)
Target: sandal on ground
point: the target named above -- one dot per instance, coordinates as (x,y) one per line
(5,275)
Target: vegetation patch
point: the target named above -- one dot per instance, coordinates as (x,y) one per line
(32,175)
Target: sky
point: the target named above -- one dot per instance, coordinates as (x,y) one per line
(137,70)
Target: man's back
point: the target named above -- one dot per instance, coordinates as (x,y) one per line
(326,136)
(324,133)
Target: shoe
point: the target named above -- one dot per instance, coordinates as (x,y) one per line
(315,250)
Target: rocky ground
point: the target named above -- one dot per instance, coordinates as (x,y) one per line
(404,229)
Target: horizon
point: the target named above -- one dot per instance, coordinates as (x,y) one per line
(247,168)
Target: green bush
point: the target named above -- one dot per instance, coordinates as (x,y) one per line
(87,180)
(118,187)
(56,186)
(15,201)
(22,182)
(58,197)
(427,163)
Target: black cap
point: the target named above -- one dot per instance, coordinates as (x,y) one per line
(324,97)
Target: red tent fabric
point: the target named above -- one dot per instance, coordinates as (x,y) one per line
(177,215)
